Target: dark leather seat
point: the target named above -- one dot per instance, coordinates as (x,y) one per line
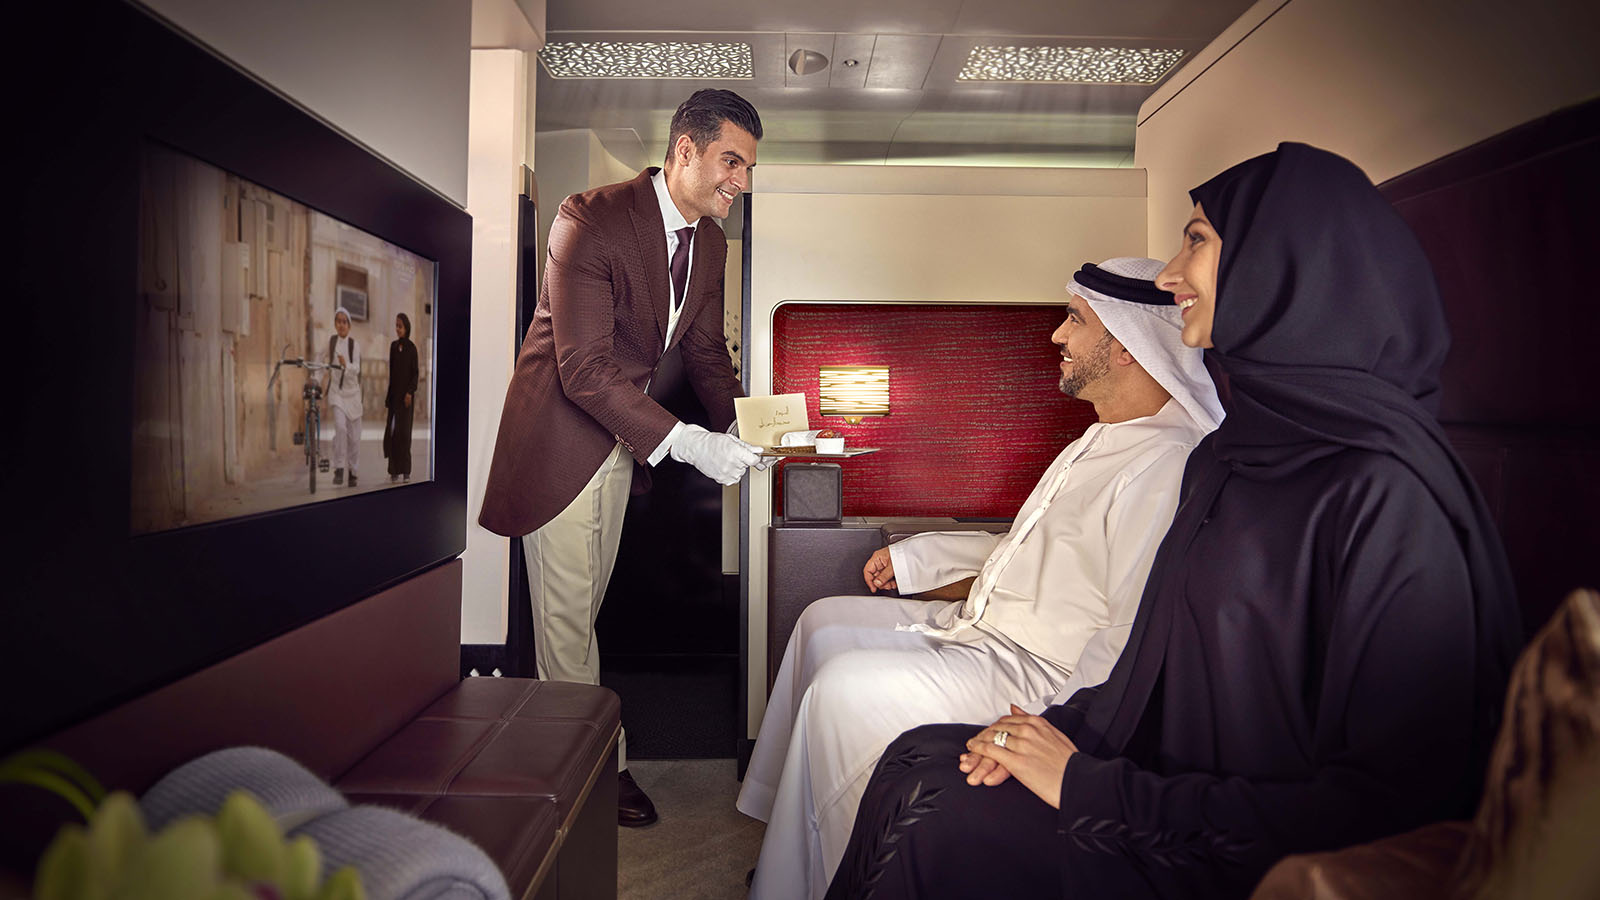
(511,764)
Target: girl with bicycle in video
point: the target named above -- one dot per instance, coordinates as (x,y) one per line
(343,390)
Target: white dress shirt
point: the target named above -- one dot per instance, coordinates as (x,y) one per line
(673,220)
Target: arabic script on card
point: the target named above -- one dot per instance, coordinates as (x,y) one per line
(763,420)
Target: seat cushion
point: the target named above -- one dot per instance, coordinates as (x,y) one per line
(497,737)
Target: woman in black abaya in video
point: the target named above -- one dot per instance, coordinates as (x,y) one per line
(1322,647)
(401,400)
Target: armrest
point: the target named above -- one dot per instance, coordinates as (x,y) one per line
(1416,864)
(900,529)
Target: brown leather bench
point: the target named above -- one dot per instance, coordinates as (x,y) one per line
(370,699)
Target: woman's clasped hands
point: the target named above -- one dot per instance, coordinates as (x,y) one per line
(1026,747)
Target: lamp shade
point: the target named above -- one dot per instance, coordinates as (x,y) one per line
(854,391)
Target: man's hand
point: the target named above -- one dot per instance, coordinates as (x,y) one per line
(1035,752)
(722,458)
(760,464)
(879,571)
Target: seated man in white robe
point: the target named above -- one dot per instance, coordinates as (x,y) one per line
(1050,607)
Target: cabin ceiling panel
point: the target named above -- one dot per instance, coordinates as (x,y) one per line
(1155,19)
(860,16)
(902,101)
(848,48)
(902,61)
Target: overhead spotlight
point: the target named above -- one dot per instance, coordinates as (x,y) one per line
(805,62)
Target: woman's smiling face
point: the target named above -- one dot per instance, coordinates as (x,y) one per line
(1191,276)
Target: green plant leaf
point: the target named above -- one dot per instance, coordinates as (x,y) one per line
(61,764)
(252,843)
(344,884)
(302,869)
(64,869)
(55,784)
(116,832)
(183,862)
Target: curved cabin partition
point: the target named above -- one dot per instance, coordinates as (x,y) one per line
(1508,224)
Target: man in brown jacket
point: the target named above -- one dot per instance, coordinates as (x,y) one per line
(633,269)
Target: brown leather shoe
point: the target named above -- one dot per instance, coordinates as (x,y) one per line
(633,807)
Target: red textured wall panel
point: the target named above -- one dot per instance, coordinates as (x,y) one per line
(975,412)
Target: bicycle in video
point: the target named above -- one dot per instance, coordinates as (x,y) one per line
(310,437)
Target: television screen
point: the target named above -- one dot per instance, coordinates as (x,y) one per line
(282,356)
(171,466)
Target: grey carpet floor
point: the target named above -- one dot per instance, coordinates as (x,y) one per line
(701,847)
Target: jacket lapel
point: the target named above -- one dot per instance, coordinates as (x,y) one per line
(651,233)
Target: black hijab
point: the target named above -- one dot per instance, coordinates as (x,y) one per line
(407,321)
(1329,328)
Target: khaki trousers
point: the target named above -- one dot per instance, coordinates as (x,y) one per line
(569,563)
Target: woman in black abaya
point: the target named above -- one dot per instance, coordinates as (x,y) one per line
(401,399)
(1322,646)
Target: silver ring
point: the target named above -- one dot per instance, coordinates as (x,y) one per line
(1000,738)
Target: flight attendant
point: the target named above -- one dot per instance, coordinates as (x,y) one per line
(634,269)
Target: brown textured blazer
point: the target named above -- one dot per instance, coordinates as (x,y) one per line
(598,332)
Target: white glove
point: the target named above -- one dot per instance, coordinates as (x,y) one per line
(760,464)
(720,457)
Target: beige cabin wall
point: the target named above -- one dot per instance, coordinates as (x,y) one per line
(1389,85)
(392,74)
(503,79)
(571,161)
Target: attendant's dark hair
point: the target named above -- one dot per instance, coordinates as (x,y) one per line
(406,320)
(701,117)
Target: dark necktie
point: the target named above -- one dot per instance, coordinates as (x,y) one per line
(680,265)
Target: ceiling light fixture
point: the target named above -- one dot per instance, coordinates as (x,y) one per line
(647,59)
(805,62)
(1069,65)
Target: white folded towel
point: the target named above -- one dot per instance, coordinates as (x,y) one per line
(290,792)
(399,856)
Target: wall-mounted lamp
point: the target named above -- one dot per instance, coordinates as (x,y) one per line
(854,391)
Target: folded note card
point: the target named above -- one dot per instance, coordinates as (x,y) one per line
(763,420)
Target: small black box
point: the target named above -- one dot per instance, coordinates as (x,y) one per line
(813,492)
